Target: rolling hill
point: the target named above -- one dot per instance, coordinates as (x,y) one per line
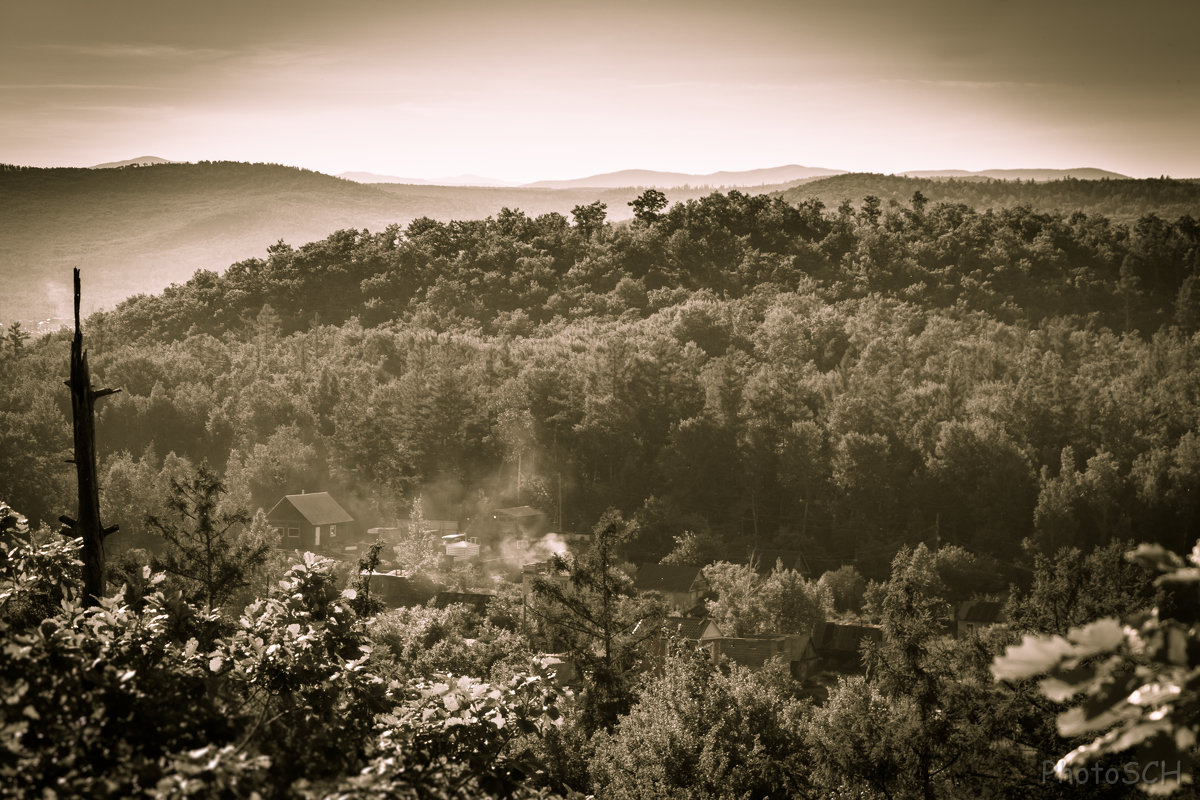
(674,180)
(457,180)
(1081,173)
(1121,199)
(139,230)
(140,161)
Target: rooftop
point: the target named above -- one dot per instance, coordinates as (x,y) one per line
(666,578)
(686,627)
(318,508)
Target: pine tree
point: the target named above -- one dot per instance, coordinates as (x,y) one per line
(201,547)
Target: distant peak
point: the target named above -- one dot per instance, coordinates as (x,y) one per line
(457,180)
(140,161)
(1081,173)
(671,180)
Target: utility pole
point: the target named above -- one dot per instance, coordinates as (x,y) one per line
(87,525)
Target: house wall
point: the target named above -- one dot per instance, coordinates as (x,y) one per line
(305,534)
(681,601)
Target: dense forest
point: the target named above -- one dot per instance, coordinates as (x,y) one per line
(1120,199)
(843,381)
(932,401)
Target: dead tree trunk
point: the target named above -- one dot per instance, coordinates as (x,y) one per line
(87,524)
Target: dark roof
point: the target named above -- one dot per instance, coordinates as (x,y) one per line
(750,652)
(519,511)
(981,611)
(665,578)
(316,507)
(685,627)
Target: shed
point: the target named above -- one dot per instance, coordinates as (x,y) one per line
(975,615)
(398,591)
(795,650)
(310,521)
(459,547)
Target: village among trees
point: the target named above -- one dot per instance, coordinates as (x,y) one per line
(741,498)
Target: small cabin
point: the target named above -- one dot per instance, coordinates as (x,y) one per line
(310,521)
(681,586)
(974,616)
(795,650)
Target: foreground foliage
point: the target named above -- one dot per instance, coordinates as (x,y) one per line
(698,732)
(1132,684)
(148,695)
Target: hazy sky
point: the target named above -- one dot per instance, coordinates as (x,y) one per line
(535,90)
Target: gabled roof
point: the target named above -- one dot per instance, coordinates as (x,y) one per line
(665,578)
(318,508)
(689,627)
(750,651)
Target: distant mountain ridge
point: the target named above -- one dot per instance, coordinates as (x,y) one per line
(139,229)
(674,180)
(1078,173)
(140,161)
(658,179)
(457,180)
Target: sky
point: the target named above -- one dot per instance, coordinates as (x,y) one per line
(524,91)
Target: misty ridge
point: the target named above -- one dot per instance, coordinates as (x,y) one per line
(139,229)
(848,485)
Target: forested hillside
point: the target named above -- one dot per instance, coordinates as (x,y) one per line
(1121,199)
(138,229)
(944,410)
(842,381)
